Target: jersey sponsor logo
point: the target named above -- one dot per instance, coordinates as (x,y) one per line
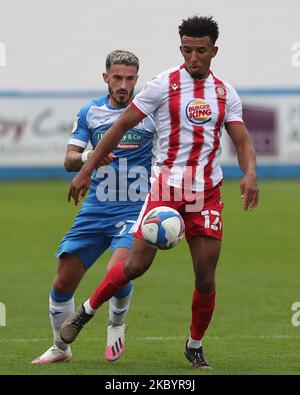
(198,111)
(131,140)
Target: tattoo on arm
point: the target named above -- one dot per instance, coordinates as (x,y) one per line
(73,161)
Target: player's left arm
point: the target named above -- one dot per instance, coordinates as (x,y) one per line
(247,162)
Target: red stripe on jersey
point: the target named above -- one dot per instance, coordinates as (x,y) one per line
(234,123)
(174,111)
(198,138)
(221,107)
(137,109)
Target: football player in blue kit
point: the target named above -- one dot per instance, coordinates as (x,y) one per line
(117,193)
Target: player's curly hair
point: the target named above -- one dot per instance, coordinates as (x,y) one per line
(199,26)
(120,56)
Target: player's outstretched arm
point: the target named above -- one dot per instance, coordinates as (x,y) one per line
(74,158)
(247,162)
(81,182)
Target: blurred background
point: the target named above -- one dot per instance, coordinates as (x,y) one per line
(52,55)
(55,54)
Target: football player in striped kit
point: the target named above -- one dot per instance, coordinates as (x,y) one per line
(190,106)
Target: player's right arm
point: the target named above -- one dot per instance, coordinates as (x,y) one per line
(76,154)
(78,142)
(73,158)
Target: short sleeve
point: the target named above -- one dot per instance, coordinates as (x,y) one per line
(234,110)
(80,134)
(147,101)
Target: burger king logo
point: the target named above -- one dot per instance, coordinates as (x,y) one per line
(198,111)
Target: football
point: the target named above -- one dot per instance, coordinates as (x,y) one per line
(163,227)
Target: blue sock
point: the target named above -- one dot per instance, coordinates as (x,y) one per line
(124,291)
(61,297)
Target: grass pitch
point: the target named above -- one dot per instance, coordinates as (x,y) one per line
(257,283)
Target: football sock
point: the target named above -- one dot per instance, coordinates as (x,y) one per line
(202,309)
(118,308)
(88,308)
(59,312)
(192,343)
(112,284)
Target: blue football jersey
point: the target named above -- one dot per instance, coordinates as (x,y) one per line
(120,187)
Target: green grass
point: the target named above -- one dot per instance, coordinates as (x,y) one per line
(257,283)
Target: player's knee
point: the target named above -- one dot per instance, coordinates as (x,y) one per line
(205,285)
(63,285)
(69,273)
(139,260)
(134,269)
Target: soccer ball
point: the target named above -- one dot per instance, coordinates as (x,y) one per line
(163,227)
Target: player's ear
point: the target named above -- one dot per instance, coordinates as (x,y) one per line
(215,51)
(105,77)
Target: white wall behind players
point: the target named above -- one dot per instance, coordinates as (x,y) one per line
(62,44)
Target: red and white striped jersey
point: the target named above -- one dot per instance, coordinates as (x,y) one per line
(189,116)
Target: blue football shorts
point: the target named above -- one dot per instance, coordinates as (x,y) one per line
(94,231)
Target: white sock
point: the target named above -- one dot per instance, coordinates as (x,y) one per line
(59,312)
(194,343)
(118,308)
(88,308)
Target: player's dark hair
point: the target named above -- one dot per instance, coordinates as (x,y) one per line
(199,26)
(121,57)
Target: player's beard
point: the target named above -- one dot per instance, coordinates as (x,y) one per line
(197,76)
(121,100)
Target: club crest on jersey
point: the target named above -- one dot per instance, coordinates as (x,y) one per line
(198,111)
(221,91)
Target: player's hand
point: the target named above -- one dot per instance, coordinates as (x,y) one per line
(249,191)
(79,186)
(106,161)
